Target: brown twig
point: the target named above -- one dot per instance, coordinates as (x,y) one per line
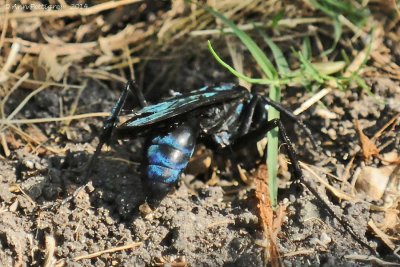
(335,191)
(111,250)
(66,118)
(71,11)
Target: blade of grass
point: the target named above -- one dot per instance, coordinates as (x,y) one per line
(309,69)
(306,48)
(259,56)
(273,135)
(241,75)
(273,148)
(337,26)
(280,60)
(274,93)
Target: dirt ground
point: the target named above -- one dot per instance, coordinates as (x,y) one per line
(200,223)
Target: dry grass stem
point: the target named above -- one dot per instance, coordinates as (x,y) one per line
(111,250)
(339,194)
(11,60)
(384,237)
(311,101)
(71,12)
(50,260)
(66,118)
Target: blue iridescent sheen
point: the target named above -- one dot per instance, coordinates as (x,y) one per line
(175,160)
(172,142)
(167,107)
(162,174)
(169,154)
(224,87)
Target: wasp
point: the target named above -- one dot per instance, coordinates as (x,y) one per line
(223,116)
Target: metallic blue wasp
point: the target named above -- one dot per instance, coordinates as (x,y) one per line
(226,115)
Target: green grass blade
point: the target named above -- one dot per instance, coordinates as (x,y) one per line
(280,60)
(238,74)
(306,48)
(320,5)
(261,59)
(273,135)
(273,148)
(276,19)
(329,67)
(363,85)
(337,26)
(274,93)
(309,69)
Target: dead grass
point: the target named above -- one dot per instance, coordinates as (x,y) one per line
(64,49)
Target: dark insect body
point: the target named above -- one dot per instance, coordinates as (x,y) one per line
(222,116)
(167,156)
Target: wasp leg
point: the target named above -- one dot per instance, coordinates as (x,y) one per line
(260,133)
(290,114)
(247,116)
(299,174)
(112,120)
(109,125)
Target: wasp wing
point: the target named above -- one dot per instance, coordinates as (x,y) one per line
(182,104)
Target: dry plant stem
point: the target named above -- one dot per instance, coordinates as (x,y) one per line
(16,85)
(125,161)
(15,48)
(96,254)
(327,173)
(25,194)
(21,105)
(6,150)
(71,12)
(384,237)
(25,101)
(11,59)
(74,105)
(31,81)
(346,226)
(214,224)
(320,47)
(290,23)
(130,62)
(66,118)
(102,75)
(290,37)
(357,31)
(50,249)
(339,194)
(4,30)
(299,252)
(28,138)
(61,50)
(311,101)
(237,59)
(371,259)
(390,122)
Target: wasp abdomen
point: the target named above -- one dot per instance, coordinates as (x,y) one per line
(169,154)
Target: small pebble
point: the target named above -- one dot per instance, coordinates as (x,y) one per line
(325,239)
(29,164)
